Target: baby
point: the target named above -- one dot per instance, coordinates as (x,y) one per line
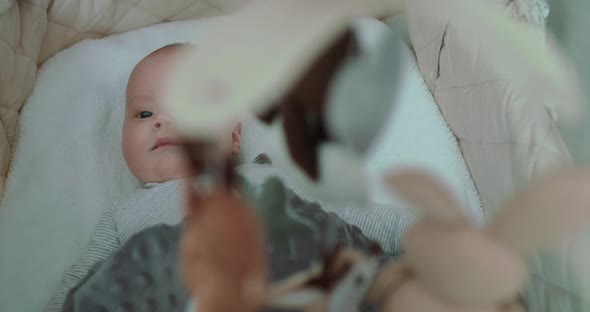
(152,152)
(150,146)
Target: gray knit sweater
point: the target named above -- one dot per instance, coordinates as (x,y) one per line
(159,203)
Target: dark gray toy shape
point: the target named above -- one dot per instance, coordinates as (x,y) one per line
(282,224)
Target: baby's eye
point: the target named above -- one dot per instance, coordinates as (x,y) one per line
(144,114)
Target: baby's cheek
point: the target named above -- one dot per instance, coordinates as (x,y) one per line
(133,153)
(181,161)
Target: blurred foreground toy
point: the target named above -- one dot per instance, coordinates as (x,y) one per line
(348,85)
(452,265)
(288,69)
(296,49)
(297,85)
(222,248)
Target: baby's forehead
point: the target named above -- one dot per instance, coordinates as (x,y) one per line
(166,56)
(147,74)
(149,64)
(150,75)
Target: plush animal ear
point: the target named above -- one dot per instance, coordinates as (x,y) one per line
(427,194)
(553,209)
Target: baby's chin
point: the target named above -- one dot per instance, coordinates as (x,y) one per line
(167,169)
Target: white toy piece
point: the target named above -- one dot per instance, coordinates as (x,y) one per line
(229,75)
(452,265)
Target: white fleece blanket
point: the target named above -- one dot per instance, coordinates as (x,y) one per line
(68,166)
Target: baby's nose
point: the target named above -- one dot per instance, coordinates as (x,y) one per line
(161,121)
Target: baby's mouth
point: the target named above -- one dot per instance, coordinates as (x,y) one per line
(165,142)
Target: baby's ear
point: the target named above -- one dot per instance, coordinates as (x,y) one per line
(236,138)
(237,130)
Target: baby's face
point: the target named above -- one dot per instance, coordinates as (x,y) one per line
(150,145)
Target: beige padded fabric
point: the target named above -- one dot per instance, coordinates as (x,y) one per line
(31,31)
(506,138)
(73,20)
(22,27)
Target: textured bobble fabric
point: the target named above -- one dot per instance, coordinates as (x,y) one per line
(144,276)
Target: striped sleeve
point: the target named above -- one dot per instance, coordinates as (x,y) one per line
(386,224)
(103,242)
